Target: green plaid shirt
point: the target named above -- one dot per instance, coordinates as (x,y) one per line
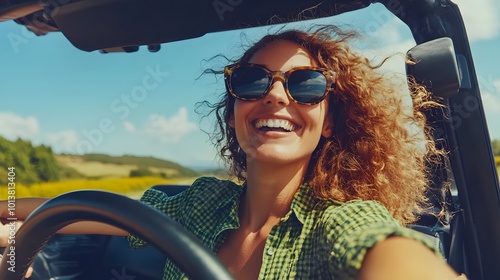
(317,239)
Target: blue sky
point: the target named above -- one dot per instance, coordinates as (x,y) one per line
(143,103)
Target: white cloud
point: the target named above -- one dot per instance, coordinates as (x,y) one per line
(492,105)
(387,40)
(128,126)
(492,111)
(167,130)
(13,126)
(481,18)
(63,141)
(490,95)
(396,51)
(384,27)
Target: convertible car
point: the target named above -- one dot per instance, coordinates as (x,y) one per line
(469,236)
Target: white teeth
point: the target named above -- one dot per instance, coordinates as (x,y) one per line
(276,123)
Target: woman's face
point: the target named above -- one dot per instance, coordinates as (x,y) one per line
(305,123)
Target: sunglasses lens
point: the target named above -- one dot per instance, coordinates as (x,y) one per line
(249,82)
(307,86)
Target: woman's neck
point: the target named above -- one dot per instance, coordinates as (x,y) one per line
(269,194)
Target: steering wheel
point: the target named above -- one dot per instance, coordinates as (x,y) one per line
(180,245)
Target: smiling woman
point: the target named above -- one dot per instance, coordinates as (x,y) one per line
(331,175)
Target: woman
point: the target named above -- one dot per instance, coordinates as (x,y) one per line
(323,146)
(331,170)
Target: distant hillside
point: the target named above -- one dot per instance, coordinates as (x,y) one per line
(35,164)
(141,162)
(100,165)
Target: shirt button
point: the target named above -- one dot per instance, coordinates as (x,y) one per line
(270,252)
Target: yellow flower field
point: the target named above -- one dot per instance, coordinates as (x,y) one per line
(497,162)
(131,187)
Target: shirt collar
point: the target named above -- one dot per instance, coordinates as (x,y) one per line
(230,204)
(304,202)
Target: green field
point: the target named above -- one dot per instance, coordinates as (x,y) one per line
(109,169)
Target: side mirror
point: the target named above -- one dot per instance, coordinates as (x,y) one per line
(435,66)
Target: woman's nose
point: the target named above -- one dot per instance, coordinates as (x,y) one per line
(277,94)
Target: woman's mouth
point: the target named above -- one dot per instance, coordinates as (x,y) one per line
(274,125)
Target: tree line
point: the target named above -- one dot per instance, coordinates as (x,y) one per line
(33,164)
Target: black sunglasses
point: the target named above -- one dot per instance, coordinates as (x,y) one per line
(304,85)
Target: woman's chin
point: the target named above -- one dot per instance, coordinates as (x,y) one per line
(277,154)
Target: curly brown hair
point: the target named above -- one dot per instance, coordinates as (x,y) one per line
(373,154)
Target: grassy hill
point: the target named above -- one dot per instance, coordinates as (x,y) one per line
(36,164)
(150,162)
(102,166)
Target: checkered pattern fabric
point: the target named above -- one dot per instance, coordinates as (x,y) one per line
(317,239)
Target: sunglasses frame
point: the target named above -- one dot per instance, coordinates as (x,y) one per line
(281,76)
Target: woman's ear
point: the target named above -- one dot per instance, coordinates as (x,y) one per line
(327,129)
(231,121)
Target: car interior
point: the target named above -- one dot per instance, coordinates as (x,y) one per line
(465,184)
